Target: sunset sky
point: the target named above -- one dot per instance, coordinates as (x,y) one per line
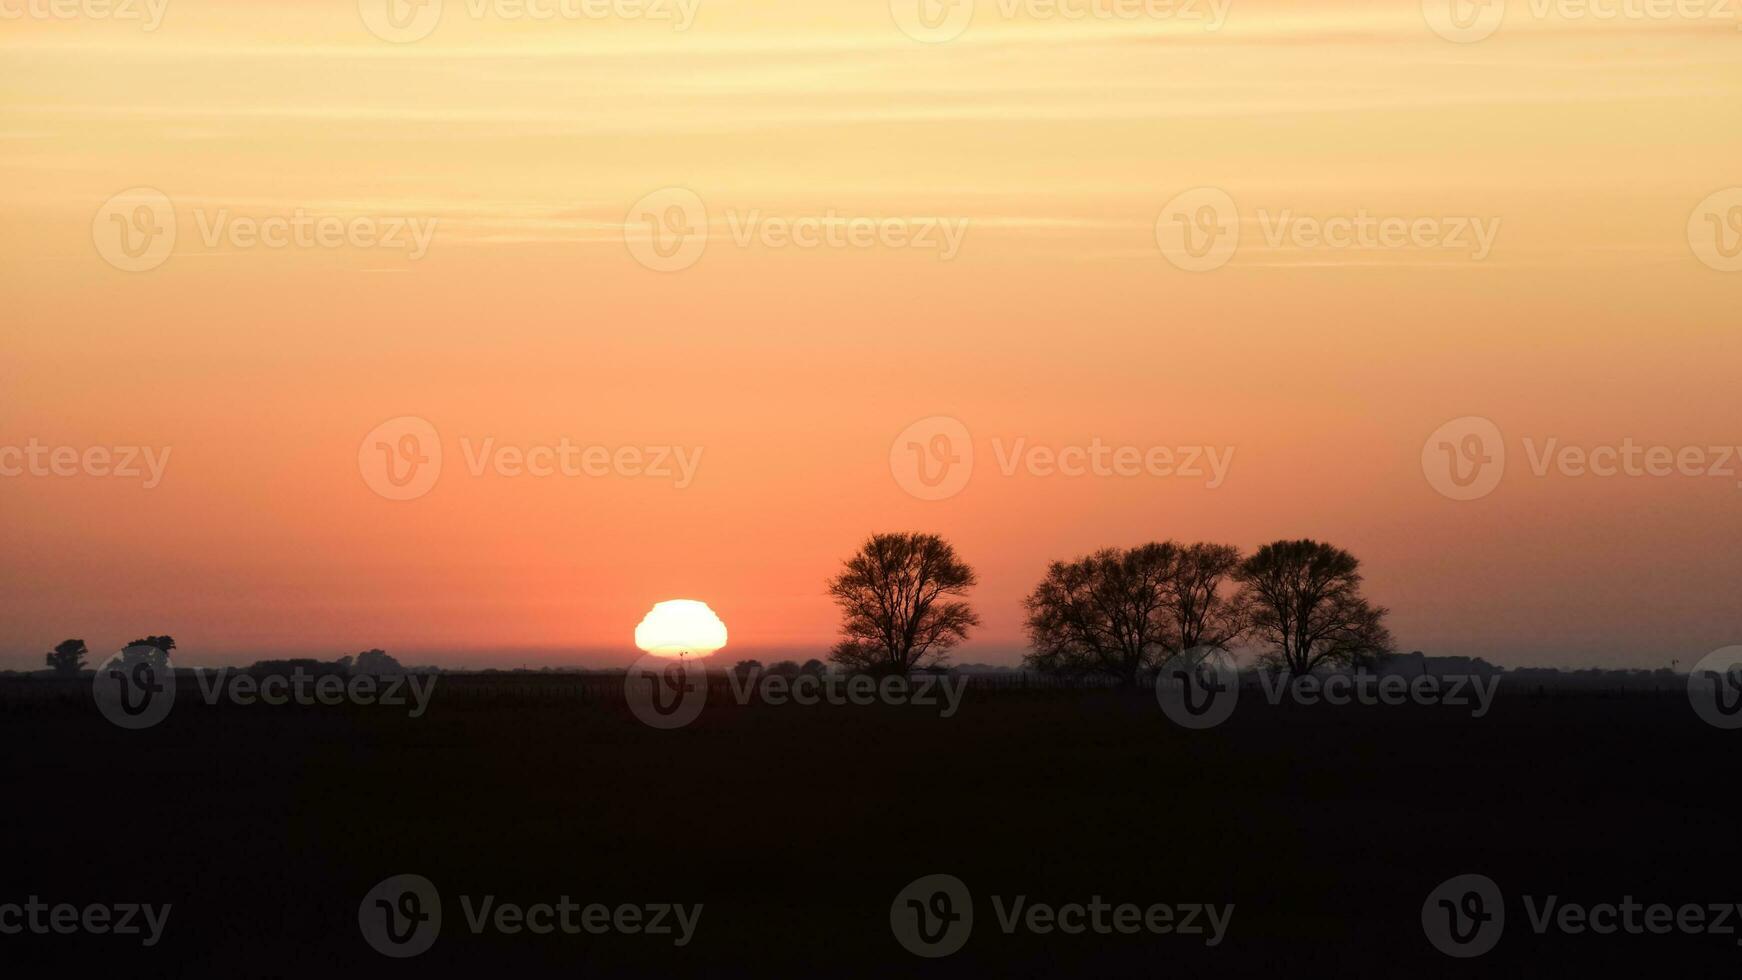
(1589,148)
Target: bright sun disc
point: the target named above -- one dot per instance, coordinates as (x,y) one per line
(681,627)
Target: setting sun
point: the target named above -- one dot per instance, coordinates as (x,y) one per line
(681,627)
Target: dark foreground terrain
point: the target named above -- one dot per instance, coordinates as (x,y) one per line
(796,827)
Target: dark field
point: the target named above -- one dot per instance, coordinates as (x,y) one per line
(1326,827)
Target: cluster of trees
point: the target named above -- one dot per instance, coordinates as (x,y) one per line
(1116,612)
(68,658)
(780,668)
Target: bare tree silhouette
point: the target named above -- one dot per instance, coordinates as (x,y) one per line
(1208,611)
(901,606)
(68,657)
(1305,601)
(1105,613)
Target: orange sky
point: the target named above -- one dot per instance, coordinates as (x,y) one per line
(1590,147)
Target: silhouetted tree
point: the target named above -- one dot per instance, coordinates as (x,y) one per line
(1305,601)
(901,606)
(746,668)
(1207,609)
(153,650)
(307,665)
(784,668)
(814,667)
(376,662)
(68,657)
(1104,614)
(1121,613)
